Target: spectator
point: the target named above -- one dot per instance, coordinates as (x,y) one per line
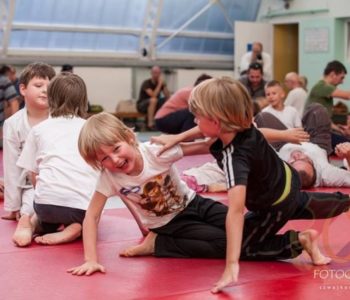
(257,56)
(255,84)
(153,94)
(297,94)
(174,116)
(324,91)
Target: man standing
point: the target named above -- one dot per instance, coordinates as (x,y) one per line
(257,56)
(153,94)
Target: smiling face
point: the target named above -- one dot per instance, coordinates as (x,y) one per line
(35,93)
(122,157)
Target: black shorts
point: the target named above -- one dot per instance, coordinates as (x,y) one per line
(51,217)
(142,105)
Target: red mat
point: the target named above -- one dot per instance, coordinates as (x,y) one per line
(39,272)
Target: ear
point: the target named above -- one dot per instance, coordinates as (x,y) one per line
(22,89)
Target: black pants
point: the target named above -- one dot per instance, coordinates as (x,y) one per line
(198,231)
(260,238)
(176,122)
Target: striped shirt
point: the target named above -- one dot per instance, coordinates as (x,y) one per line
(7,93)
(250,161)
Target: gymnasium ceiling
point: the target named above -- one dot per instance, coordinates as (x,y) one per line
(122,32)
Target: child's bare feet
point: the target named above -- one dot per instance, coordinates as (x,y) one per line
(68,234)
(143,249)
(308,239)
(12,216)
(24,232)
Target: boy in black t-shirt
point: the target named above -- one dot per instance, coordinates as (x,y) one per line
(256,178)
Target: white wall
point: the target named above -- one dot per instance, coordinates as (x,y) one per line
(106,86)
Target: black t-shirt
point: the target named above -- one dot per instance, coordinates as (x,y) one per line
(249,160)
(148,84)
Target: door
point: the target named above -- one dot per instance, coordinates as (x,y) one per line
(285,49)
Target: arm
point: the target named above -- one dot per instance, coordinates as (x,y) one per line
(341,94)
(166,92)
(33,178)
(343,151)
(12,173)
(193,148)
(291,135)
(90,223)
(234,232)
(169,140)
(154,93)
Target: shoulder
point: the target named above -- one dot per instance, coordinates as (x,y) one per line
(290,109)
(152,150)
(16,117)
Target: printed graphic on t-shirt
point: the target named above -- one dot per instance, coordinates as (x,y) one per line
(158,197)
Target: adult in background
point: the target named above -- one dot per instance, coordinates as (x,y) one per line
(255,84)
(297,94)
(324,91)
(257,55)
(153,94)
(174,116)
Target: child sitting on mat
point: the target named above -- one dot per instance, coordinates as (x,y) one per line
(19,191)
(63,181)
(256,178)
(180,223)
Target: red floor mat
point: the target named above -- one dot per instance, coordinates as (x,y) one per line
(39,272)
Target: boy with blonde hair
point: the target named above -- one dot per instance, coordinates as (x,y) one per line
(256,178)
(180,223)
(275,95)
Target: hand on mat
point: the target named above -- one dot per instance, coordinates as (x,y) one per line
(87,268)
(167,140)
(230,275)
(297,135)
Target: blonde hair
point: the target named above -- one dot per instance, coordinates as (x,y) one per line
(67,96)
(102,129)
(224,99)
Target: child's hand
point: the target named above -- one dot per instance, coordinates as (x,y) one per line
(230,275)
(297,135)
(167,140)
(343,150)
(87,268)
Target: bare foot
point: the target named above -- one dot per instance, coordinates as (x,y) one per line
(68,234)
(12,216)
(24,232)
(143,249)
(308,239)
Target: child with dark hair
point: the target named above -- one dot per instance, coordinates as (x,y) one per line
(19,192)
